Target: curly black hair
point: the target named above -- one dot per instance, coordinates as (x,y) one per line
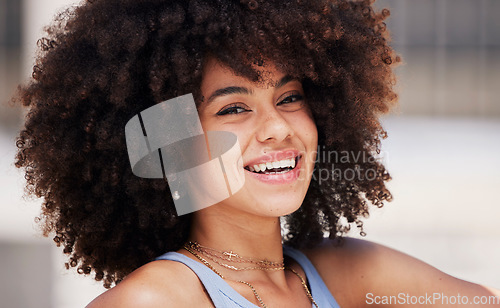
(104,61)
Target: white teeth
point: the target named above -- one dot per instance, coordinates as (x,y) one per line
(262,167)
(285,163)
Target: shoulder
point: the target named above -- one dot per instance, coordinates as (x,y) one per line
(160,283)
(359,270)
(348,269)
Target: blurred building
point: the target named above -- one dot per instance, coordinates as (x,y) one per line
(451,51)
(10,57)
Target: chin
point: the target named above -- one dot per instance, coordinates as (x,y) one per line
(277,206)
(270,202)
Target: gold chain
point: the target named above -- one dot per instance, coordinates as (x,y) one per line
(203,261)
(234,268)
(304,285)
(264,264)
(232,256)
(189,247)
(255,293)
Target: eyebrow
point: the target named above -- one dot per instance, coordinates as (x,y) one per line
(242,90)
(283,81)
(228,91)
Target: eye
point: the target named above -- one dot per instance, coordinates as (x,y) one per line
(232,109)
(289,98)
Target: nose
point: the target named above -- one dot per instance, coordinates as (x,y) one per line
(273,126)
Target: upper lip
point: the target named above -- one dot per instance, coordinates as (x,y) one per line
(274,156)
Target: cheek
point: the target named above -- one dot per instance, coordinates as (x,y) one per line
(244,134)
(305,128)
(242,131)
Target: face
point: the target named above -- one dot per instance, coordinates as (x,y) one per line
(276,133)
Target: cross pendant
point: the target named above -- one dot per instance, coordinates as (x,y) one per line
(230,254)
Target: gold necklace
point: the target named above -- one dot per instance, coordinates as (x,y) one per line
(232,256)
(304,285)
(259,299)
(261,264)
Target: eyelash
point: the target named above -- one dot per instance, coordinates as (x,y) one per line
(232,108)
(296,98)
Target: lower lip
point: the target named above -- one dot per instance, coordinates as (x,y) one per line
(280,178)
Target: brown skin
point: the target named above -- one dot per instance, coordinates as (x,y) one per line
(360,267)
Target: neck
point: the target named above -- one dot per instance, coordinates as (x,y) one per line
(247,235)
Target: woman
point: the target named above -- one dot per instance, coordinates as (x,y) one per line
(286,78)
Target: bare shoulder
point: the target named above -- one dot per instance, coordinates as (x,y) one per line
(160,283)
(355,258)
(346,268)
(358,270)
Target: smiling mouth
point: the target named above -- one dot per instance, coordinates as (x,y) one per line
(276,167)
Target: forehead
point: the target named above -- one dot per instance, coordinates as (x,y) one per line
(217,75)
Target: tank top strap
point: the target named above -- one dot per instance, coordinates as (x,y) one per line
(319,290)
(224,296)
(221,293)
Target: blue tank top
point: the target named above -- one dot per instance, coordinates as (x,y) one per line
(224,296)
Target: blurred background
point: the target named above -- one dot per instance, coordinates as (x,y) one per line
(442,150)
